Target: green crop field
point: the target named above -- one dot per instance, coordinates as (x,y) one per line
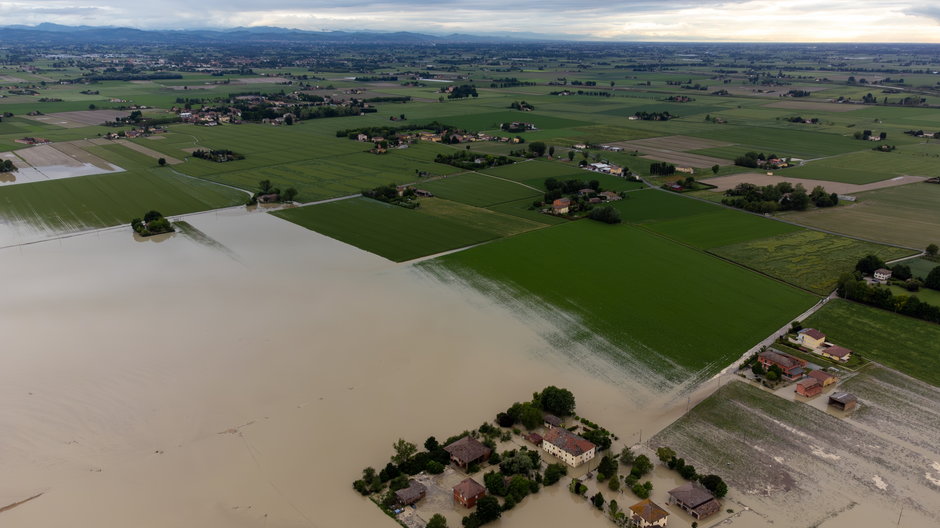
(721,227)
(109,199)
(480,190)
(401,234)
(631,288)
(652,205)
(905,215)
(907,344)
(808,259)
(920,267)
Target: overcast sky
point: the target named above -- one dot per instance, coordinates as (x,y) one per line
(669,20)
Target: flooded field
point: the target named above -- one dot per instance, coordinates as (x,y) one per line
(242,371)
(173,383)
(53,162)
(873,467)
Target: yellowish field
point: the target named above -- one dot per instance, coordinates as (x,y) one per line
(723,183)
(78,119)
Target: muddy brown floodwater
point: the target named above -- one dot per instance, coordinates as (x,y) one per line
(247,382)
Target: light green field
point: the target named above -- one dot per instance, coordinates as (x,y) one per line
(109,199)
(721,227)
(634,289)
(808,259)
(480,190)
(401,234)
(905,215)
(870,166)
(907,344)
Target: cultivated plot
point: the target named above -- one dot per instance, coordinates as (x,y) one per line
(630,288)
(78,119)
(808,259)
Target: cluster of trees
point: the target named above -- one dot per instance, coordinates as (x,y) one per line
(509,82)
(389,132)
(265,188)
(582,92)
(654,116)
(662,168)
(783,196)
(378,78)
(801,119)
(518,476)
(218,156)
(852,287)
(753,159)
(901,272)
(797,93)
(515,127)
(466,159)
(885,148)
(866,135)
(920,133)
(461,92)
(522,105)
(7,166)
(153,224)
(687,183)
(407,460)
(388,99)
(551,399)
(389,194)
(606,214)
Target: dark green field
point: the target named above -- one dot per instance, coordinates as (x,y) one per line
(636,290)
(401,234)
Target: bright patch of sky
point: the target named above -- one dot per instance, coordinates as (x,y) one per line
(663,20)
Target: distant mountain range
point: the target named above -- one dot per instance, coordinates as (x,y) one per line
(56,33)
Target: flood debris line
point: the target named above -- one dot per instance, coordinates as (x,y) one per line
(9,507)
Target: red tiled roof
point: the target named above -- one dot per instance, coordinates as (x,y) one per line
(469,488)
(649,511)
(819,375)
(837,351)
(568,441)
(812,332)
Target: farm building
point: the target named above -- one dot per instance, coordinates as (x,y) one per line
(836,352)
(824,378)
(694,499)
(611,196)
(808,387)
(534,438)
(791,366)
(811,338)
(843,401)
(550,421)
(468,492)
(412,494)
(467,451)
(567,446)
(882,274)
(647,513)
(561,206)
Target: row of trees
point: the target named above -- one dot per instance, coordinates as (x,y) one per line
(662,168)
(712,483)
(852,287)
(218,156)
(390,132)
(866,135)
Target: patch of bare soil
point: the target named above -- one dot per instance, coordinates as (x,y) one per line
(78,119)
(148,151)
(723,183)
